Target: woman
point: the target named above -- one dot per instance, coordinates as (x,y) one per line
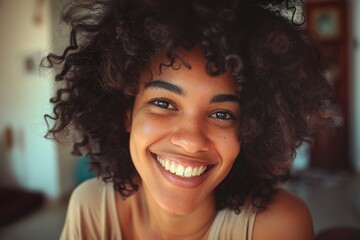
(191,112)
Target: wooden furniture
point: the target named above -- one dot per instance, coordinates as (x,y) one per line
(329,19)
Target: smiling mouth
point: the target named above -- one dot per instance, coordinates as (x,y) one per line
(181,170)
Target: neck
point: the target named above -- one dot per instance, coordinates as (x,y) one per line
(163,224)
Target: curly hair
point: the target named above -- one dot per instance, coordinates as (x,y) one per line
(275,60)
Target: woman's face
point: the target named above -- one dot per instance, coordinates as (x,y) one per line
(184,132)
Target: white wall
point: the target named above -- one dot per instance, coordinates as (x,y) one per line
(34,162)
(24,97)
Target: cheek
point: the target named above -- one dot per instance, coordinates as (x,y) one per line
(230,146)
(145,131)
(148,127)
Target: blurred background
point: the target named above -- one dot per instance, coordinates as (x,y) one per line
(37,175)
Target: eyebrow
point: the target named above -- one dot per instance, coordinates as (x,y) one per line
(179,91)
(224,98)
(165,85)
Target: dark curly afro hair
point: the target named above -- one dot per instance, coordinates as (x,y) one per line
(281,84)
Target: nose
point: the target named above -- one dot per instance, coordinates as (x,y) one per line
(191,136)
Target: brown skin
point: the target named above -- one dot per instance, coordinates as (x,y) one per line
(155,223)
(286,218)
(191,129)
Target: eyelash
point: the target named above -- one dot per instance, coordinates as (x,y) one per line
(222,115)
(161,104)
(165,104)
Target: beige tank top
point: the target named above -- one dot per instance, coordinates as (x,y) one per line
(92,215)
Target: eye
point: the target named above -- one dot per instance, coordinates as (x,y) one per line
(223,115)
(162,104)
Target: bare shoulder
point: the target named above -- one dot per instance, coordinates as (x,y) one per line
(286,218)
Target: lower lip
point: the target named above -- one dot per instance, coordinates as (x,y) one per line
(182,182)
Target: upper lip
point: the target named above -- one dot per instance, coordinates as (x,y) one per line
(185,159)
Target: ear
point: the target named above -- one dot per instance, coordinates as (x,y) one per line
(128,120)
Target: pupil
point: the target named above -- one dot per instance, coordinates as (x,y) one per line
(221,115)
(163,104)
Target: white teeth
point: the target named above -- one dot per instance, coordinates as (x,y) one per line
(180,170)
(167,165)
(201,170)
(173,168)
(194,171)
(188,172)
